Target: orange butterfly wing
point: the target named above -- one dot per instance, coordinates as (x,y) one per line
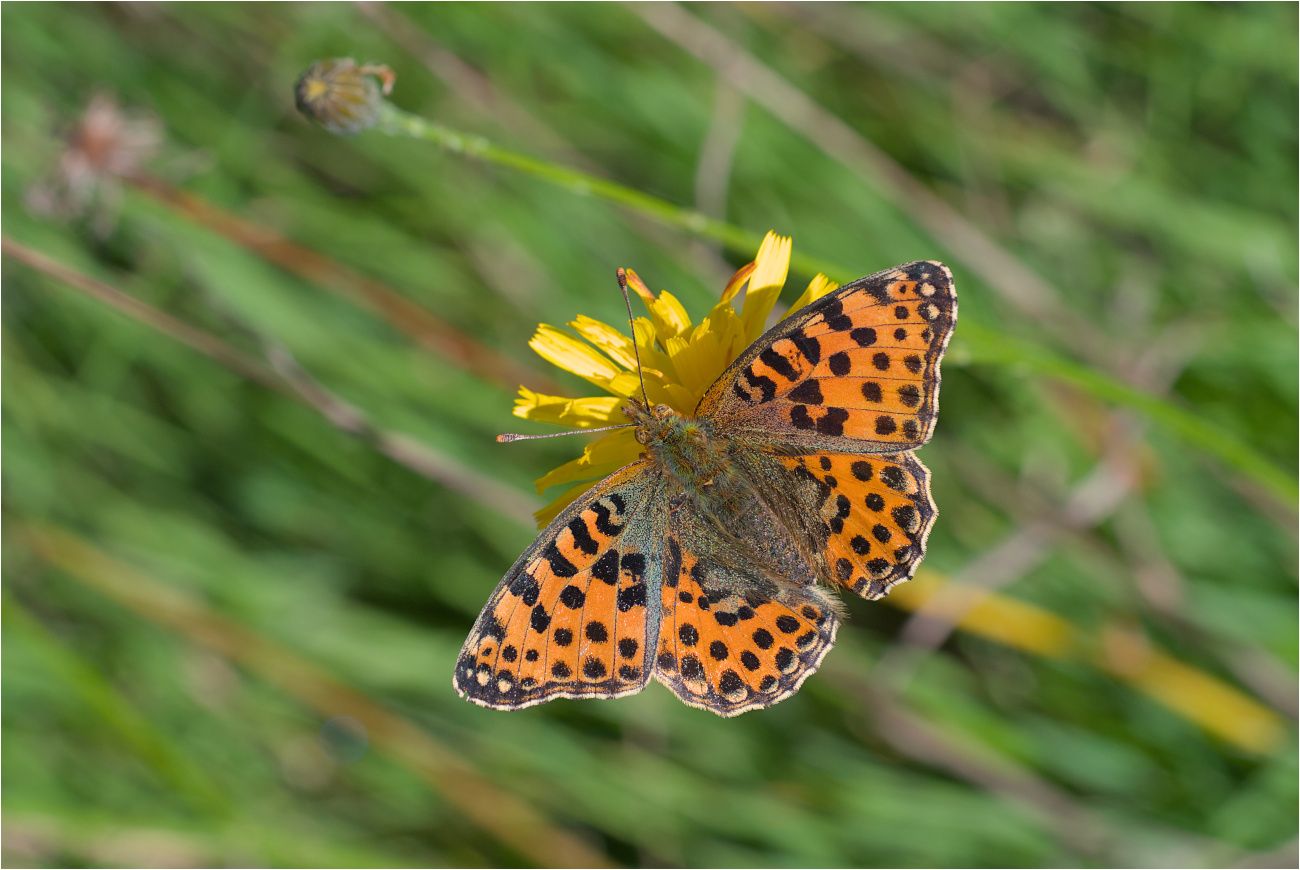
(823,411)
(734,637)
(864,518)
(857,371)
(571,617)
(723,653)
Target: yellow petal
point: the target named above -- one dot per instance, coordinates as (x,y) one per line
(653,360)
(584,413)
(572,355)
(637,286)
(615,344)
(737,281)
(669,316)
(770,268)
(698,361)
(627,385)
(730,330)
(603,456)
(680,399)
(817,288)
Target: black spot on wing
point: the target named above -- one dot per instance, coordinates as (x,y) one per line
(582,538)
(606,567)
(526,588)
(631,596)
(832,423)
(634,564)
(809,347)
(673,569)
(539,620)
(779,364)
(864,336)
(765,386)
(560,566)
(894,478)
(603,514)
(809,392)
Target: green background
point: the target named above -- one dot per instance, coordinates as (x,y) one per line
(202,570)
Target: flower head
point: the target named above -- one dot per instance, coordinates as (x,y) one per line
(679,362)
(343,97)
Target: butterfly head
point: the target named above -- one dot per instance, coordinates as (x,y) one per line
(661,424)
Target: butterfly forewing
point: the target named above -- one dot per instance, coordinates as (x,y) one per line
(856,371)
(575,615)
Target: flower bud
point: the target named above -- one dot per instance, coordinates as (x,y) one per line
(343,97)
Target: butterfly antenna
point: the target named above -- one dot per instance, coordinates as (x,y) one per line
(507,437)
(622,285)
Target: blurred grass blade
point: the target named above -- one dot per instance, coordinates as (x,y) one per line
(1196,696)
(990,348)
(291,382)
(497,812)
(405,315)
(113,708)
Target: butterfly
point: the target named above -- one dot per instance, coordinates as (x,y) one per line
(708,562)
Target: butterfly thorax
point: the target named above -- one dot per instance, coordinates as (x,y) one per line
(705,481)
(685,449)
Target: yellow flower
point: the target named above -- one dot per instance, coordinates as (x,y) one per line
(678,361)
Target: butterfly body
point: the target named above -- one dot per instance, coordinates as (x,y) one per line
(695,463)
(707,563)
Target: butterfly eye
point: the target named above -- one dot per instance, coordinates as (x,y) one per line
(663,411)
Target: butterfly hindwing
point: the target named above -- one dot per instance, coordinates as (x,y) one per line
(855,371)
(575,616)
(730,639)
(863,519)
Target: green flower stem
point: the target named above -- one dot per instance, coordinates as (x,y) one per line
(396,122)
(985,345)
